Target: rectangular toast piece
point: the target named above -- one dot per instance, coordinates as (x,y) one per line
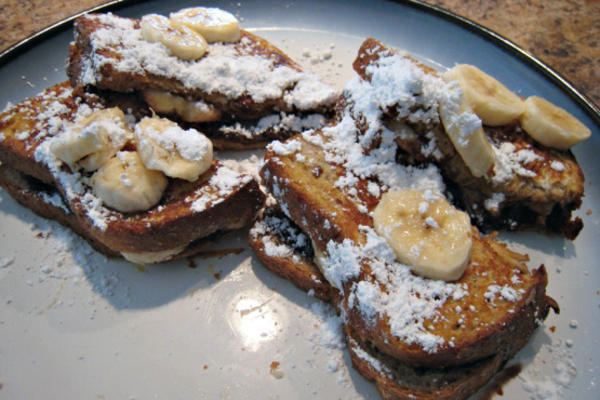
(418,321)
(243,81)
(284,249)
(187,211)
(529,186)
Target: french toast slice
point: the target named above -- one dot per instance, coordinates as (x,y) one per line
(529,186)
(187,211)
(284,249)
(44,200)
(242,81)
(415,320)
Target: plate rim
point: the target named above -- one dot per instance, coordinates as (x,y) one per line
(583,101)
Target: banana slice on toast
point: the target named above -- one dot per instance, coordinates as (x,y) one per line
(552,126)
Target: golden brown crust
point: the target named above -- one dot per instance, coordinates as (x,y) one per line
(311,198)
(23,118)
(234,129)
(29,192)
(33,194)
(396,380)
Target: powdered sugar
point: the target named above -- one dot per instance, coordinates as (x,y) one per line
(220,186)
(229,70)
(408,301)
(52,121)
(465,123)
(5,262)
(286,148)
(508,293)
(209,16)
(557,166)
(510,161)
(550,386)
(400,84)
(189,143)
(373,362)
(493,203)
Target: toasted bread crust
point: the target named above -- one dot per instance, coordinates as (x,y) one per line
(309,199)
(23,118)
(34,194)
(28,192)
(399,381)
(172,224)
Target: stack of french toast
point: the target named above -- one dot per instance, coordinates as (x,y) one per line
(123,151)
(369,217)
(381,190)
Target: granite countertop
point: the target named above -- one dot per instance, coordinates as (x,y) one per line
(565,34)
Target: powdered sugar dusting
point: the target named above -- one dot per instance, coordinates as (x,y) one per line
(221,185)
(510,161)
(374,362)
(409,300)
(5,262)
(231,71)
(550,386)
(189,143)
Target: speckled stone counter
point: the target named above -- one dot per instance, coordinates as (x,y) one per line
(564,34)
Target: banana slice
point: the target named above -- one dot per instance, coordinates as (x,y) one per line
(126,185)
(189,111)
(552,126)
(182,41)
(493,102)
(426,232)
(464,129)
(93,140)
(179,153)
(214,24)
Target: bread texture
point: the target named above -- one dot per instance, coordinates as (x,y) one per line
(248,85)
(187,211)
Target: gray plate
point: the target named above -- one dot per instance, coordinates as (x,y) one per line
(75,325)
